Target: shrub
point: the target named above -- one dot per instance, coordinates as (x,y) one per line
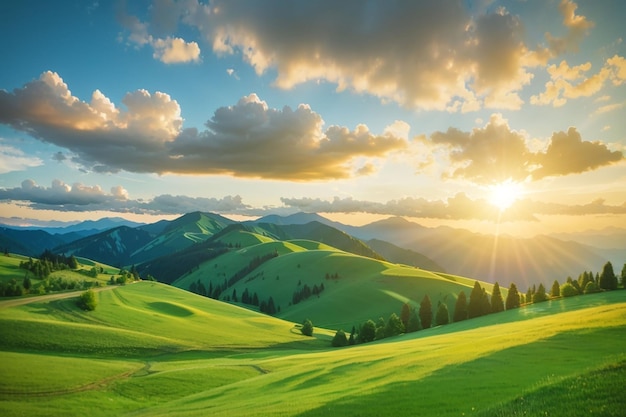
(367,332)
(340,339)
(568,290)
(307,328)
(87,300)
(591,287)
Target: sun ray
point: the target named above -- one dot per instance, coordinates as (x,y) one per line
(503,195)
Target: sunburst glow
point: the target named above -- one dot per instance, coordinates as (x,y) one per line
(504,194)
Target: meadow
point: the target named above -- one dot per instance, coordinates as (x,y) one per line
(152,349)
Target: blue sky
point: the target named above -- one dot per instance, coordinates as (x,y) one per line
(482,114)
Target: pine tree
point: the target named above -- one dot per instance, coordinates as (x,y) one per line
(460,308)
(624,276)
(394,326)
(529,296)
(475,307)
(426,313)
(367,332)
(414,322)
(556,289)
(442,316)
(405,313)
(540,294)
(497,303)
(608,280)
(512,298)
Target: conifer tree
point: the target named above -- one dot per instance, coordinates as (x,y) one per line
(540,294)
(414,322)
(512,298)
(608,280)
(475,307)
(442,316)
(497,303)
(624,276)
(460,308)
(529,296)
(405,313)
(367,332)
(394,326)
(556,289)
(426,313)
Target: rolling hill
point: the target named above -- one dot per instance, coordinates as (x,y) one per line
(344,289)
(150,349)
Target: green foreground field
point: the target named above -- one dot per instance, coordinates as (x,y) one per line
(151,350)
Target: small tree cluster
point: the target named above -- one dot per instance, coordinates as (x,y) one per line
(87,300)
(306,292)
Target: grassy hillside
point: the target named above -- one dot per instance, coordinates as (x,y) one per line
(150,349)
(355,288)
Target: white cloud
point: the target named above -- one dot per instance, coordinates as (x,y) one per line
(175,50)
(13,159)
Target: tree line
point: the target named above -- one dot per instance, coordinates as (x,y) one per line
(479,304)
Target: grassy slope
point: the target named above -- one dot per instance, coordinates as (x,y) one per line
(366,288)
(154,350)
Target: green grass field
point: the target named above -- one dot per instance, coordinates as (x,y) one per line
(150,349)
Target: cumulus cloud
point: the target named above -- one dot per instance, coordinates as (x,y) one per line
(577,28)
(567,153)
(249,139)
(60,194)
(496,153)
(169,50)
(13,159)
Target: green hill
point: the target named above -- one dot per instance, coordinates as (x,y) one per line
(346,289)
(151,349)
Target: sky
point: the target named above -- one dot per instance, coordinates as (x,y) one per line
(495,116)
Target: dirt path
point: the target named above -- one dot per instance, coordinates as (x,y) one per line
(49,297)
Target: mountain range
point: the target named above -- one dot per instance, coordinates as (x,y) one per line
(506,259)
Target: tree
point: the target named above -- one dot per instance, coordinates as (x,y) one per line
(72,262)
(608,280)
(394,326)
(624,276)
(568,290)
(529,296)
(442,316)
(307,327)
(556,289)
(340,339)
(351,339)
(460,308)
(367,332)
(497,303)
(87,300)
(475,307)
(405,314)
(26,283)
(591,288)
(512,298)
(540,295)
(414,322)
(426,313)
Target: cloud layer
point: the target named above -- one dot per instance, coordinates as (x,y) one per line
(248,139)
(421,54)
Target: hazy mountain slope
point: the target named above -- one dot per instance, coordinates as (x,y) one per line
(400,255)
(504,259)
(28,242)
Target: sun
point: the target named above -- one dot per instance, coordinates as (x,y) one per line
(504,194)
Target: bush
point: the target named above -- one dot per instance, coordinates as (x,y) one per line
(591,287)
(307,328)
(568,290)
(340,339)
(87,301)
